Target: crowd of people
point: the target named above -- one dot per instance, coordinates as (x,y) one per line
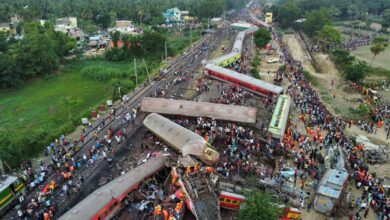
(66,169)
(310,106)
(378,107)
(231,95)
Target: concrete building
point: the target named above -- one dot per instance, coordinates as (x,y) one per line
(66,23)
(125,27)
(69,26)
(173,16)
(5,27)
(329,191)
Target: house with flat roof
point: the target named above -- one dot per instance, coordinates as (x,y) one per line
(5,27)
(173,16)
(126,27)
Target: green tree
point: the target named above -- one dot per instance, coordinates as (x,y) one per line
(315,21)
(115,37)
(352,11)
(262,37)
(356,72)
(288,13)
(380,45)
(342,58)
(153,43)
(386,18)
(3,42)
(259,205)
(328,36)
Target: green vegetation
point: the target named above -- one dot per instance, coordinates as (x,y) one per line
(381,61)
(40,112)
(386,18)
(327,37)
(39,53)
(353,69)
(104,13)
(315,21)
(259,205)
(151,45)
(380,44)
(288,13)
(255,64)
(262,37)
(321,12)
(312,79)
(356,72)
(177,42)
(45,108)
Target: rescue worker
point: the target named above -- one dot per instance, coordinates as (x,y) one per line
(188,170)
(46,216)
(157,210)
(165,214)
(52,185)
(196,167)
(171,217)
(209,170)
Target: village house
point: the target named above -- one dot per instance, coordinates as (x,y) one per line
(5,27)
(69,26)
(125,27)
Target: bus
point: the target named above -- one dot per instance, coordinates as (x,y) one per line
(280,117)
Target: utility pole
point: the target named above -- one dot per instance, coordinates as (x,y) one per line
(1,168)
(147,71)
(191,34)
(135,72)
(166,51)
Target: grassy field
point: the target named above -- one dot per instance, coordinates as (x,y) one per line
(43,109)
(364,53)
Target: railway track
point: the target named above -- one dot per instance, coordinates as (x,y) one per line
(178,63)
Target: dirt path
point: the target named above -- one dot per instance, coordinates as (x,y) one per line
(341,104)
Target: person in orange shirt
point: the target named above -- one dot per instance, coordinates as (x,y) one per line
(165,214)
(157,210)
(209,170)
(46,216)
(188,170)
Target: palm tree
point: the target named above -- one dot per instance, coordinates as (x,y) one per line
(380,45)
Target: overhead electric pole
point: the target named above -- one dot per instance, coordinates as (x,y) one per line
(135,72)
(166,51)
(147,71)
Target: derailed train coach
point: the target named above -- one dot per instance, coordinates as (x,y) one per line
(244,81)
(106,201)
(181,139)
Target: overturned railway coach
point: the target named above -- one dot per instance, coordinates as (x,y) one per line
(199,109)
(246,82)
(181,139)
(105,202)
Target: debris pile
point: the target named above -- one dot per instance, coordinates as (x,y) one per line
(372,152)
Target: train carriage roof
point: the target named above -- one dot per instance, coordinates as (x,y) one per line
(245,78)
(96,201)
(183,139)
(260,22)
(222,58)
(7,182)
(199,109)
(237,46)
